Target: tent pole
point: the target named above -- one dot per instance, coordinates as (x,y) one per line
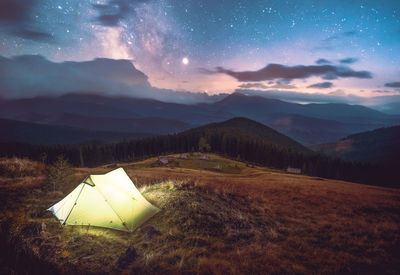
(83,185)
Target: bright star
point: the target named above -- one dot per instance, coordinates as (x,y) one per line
(185,61)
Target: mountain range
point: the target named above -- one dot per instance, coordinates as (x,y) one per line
(306,123)
(380,146)
(35,133)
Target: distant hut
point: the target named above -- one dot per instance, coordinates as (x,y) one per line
(183,156)
(204,157)
(164,160)
(218,167)
(292,170)
(196,154)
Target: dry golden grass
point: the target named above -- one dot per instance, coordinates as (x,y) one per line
(256,221)
(16,173)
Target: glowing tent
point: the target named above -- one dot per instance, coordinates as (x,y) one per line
(110,200)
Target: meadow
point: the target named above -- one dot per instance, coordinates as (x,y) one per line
(241,219)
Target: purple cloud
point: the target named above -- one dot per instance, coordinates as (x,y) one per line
(288,73)
(322,61)
(111,13)
(349,60)
(322,85)
(393,84)
(16,19)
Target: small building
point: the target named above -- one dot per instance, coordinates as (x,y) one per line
(204,157)
(183,156)
(218,167)
(196,154)
(164,160)
(292,170)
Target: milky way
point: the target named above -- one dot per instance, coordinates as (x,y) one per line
(222,39)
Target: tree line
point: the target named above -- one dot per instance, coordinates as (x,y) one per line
(230,144)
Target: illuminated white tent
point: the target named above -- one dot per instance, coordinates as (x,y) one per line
(110,200)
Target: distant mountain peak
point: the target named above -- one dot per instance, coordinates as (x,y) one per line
(240,98)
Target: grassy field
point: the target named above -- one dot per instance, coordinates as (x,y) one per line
(241,219)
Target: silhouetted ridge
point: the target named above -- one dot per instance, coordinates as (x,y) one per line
(250,129)
(35,133)
(380,146)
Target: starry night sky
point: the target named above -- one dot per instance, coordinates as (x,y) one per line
(332,47)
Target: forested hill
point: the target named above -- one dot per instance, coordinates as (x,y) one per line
(247,129)
(237,138)
(380,146)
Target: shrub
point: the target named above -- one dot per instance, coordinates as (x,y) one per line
(60,173)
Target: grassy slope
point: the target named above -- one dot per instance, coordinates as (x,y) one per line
(240,220)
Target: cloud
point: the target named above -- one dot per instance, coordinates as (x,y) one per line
(33,35)
(385,91)
(322,61)
(341,35)
(16,11)
(337,96)
(16,19)
(349,33)
(278,71)
(393,84)
(292,96)
(256,85)
(33,75)
(141,29)
(322,85)
(283,86)
(111,13)
(349,60)
(250,85)
(338,93)
(337,40)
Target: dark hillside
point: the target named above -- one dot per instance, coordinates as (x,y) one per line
(239,138)
(35,133)
(248,129)
(380,146)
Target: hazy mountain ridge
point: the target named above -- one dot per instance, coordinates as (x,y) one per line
(305,129)
(151,125)
(34,133)
(258,105)
(386,103)
(309,124)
